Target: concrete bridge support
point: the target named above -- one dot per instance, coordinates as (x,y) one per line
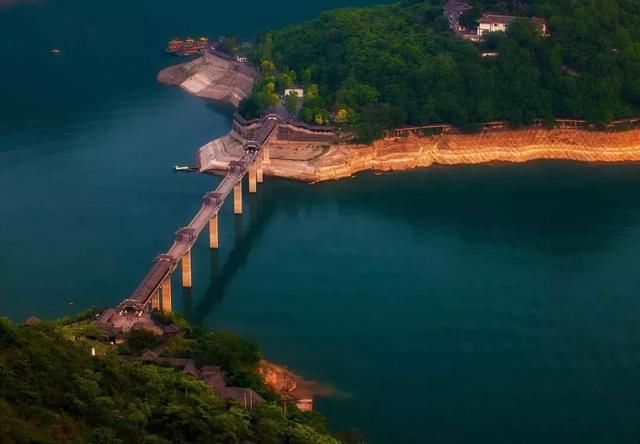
(186,270)
(166,295)
(213,232)
(266,154)
(259,172)
(237,198)
(252,173)
(155,301)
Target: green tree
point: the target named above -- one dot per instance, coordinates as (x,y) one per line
(291,104)
(53,390)
(231,44)
(250,108)
(375,119)
(237,357)
(141,340)
(400,54)
(265,48)
(268,67)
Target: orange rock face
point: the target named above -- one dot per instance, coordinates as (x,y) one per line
(278,378)
(394,154)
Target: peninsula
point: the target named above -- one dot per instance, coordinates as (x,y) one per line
(352,82)
(325,158)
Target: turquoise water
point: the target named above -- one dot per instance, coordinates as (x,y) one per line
(484,304)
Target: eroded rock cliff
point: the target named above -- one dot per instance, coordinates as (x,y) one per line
(395,154)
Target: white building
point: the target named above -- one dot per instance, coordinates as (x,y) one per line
(299,92)
(500,23)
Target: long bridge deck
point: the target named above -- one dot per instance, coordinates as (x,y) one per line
(165,264)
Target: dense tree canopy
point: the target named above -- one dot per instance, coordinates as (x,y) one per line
(400,64)
(53,390)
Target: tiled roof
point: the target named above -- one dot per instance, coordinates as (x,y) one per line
(506,19)
(149,356)
(32,320)
(496,18)
(242,395)
(190,369)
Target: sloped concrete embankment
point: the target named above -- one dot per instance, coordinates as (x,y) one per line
(212,77)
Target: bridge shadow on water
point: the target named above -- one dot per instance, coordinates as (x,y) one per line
(262,208)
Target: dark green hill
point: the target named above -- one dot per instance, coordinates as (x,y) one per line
(390,65)
(53,390)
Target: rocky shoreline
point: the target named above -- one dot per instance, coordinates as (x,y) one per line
(219,79)
(405,153)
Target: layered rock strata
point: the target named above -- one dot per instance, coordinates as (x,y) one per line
(320,161)
(302,154)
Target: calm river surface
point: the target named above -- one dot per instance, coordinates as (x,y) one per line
(485,304)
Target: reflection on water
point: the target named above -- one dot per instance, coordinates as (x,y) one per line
(261,209)
(489,291)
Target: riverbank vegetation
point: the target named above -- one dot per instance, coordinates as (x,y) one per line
(390,65)
(53,390)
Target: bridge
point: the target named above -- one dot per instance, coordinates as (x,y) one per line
(154,292)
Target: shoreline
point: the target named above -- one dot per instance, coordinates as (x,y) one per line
(506,146)
(212,77)
(294,387)
(320,161)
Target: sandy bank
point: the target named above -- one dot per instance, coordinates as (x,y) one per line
(404,153)
(212,77)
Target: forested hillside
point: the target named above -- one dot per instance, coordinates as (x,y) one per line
(389,65)
(53,391)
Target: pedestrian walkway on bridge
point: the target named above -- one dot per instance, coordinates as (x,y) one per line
(154,292)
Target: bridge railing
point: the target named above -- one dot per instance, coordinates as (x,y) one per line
(499,124)
(237,117)
(165,264)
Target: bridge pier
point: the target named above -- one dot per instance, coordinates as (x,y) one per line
(186,270)
(253,186)
(237,198)
(166,295)
(259,172)
(213,232)
(155,301)
(256,155)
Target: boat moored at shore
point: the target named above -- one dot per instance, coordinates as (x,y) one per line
(184,169)
(188,46)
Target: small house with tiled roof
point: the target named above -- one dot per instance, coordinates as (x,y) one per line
(32,320)
(500,23)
